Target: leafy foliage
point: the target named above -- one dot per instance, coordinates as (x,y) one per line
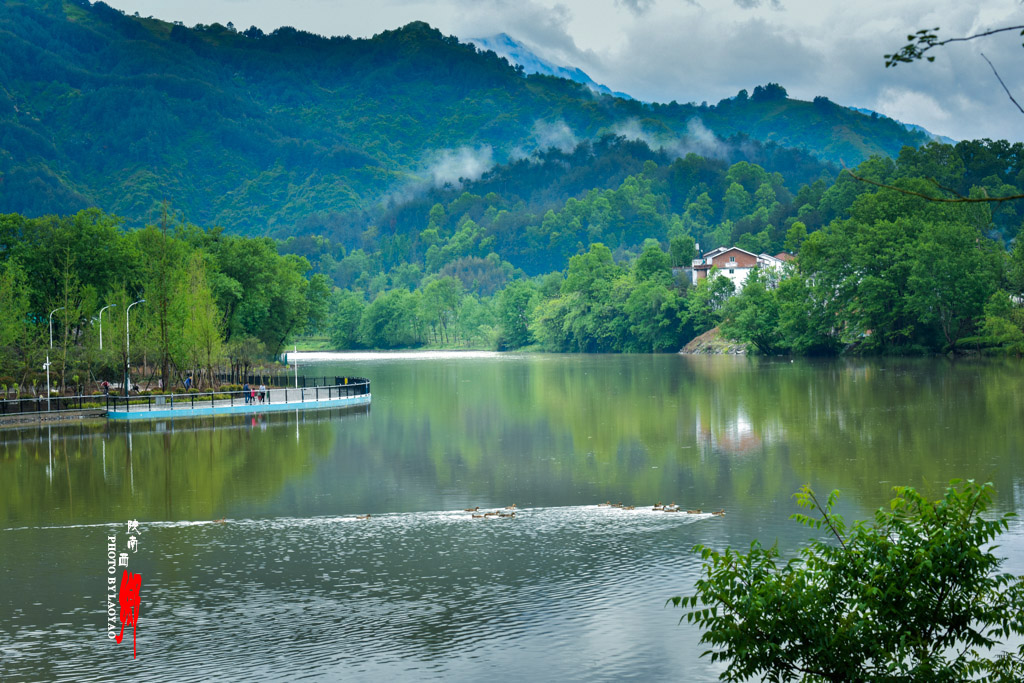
(204,291)
(914,595)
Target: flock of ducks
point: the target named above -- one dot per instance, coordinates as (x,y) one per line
(660,507)
(510,510)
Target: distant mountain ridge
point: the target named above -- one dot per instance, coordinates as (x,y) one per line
(913,127)
(271,133)
(516,52)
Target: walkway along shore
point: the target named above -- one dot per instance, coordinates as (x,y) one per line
(349,391)
(353,392)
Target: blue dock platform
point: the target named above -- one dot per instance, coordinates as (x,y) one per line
(354,391)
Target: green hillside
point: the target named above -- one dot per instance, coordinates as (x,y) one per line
(258,133)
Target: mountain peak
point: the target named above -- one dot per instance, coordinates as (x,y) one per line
(516,52)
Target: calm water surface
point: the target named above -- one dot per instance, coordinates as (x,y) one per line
(291,585)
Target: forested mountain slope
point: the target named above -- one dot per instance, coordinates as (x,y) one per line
(266,134)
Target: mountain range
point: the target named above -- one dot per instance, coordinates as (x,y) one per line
(276,133)
(913,127)
(517,52)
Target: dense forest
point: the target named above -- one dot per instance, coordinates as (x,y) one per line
(291,133)
(211,299)
(877,269)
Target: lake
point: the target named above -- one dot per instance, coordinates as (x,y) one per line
(291,584)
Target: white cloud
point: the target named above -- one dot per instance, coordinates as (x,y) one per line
(443,167)
(911,105)
(557,134)
(697,140)
(636,6)
(453,166)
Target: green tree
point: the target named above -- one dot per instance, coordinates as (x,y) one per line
(198,343)
(752,316)
(318,302)
(548,324)
(591,316)
(1003,326)
(16,329)
(515,308)
(737,202)
(344,325)
(705,301)
(654,312)
(809,321)
(653,264)
(440,304)
(916,595)
(390,321)
(795,236)
(262,293)
(72,302)
(954,272)
(164,257)
(682,249)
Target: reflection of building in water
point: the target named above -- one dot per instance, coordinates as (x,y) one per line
(733,434)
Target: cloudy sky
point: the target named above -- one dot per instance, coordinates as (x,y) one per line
(695,50)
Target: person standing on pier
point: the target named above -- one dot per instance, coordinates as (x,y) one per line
(247,391)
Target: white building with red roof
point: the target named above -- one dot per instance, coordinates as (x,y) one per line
(735,264)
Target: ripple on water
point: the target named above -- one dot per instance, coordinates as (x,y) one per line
(438,593)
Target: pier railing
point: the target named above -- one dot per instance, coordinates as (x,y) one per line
(39,404)
(315,388)
(345,388)
(279,380)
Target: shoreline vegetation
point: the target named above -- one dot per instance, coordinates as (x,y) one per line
(875,272)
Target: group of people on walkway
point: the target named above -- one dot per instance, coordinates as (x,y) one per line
(252,395)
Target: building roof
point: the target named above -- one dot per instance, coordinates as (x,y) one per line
(722,250)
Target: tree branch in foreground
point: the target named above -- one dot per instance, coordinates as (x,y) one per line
(926,39)
(999,78)
(959,199)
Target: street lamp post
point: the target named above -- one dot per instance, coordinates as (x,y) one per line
(101,324)
(128,346)
(47,366)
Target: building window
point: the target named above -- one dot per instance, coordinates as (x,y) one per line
(732,259)
(731,271)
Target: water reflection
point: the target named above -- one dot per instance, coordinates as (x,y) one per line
(422,590)
(159,470)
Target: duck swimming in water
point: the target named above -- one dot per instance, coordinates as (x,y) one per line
(362,516)
(472,509)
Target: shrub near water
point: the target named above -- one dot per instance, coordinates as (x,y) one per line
(915,595)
